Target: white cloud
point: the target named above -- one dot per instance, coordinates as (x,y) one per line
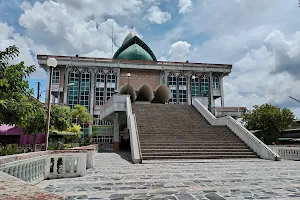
(86,8)
(155,15)
(185,6)
(26,46)
(179,51)
(25,5)
(74,34)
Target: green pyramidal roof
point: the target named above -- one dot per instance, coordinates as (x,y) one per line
(133,48)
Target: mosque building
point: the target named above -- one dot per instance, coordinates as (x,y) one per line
(135,70)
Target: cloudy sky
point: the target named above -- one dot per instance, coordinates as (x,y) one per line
(261,38)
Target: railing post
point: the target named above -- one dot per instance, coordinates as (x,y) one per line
(10,171)
(55,165)
(72,165)
(19,175)
(16,171)
(23,171)
(27,172)
(31,172)
(63,171)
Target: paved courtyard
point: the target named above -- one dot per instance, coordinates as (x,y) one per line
(113,177)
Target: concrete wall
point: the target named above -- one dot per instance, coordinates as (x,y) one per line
(139,77)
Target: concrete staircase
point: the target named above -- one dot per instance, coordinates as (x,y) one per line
(169,131)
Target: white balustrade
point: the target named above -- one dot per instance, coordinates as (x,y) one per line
(35,167)
(289,153)
(27,169)
(246,136)
(67,165)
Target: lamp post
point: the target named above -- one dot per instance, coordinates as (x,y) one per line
(51,63)
(193,82)
(128,76)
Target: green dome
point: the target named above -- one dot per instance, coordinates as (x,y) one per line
(134,52)
(128,37)
(133,48)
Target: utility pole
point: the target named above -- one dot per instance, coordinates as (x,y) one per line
(38,91)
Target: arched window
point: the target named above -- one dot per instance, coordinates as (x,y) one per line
(85,88)
(182,89)
(73,90)
(55,76)
(172,83)
(195,86)
(204,85)
(110,84)
(216,82)
(100,88)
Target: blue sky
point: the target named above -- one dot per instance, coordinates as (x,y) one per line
(260,38)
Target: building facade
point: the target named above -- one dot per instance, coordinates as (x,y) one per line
(92,81)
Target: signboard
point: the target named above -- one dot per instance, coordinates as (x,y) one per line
(103,130)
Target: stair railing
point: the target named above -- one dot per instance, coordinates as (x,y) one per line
(246,136)
(134,140)
(138,137)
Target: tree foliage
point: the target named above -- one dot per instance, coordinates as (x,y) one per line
(81,114)
(15,95)
(60,117)
(270,120)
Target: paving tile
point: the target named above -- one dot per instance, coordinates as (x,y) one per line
(114,177)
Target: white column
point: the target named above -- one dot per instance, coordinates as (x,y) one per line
(66,89)
(92,98)
(116,132)
(189,91)
(222,90)
(118,80)
(211,95)
(166,74)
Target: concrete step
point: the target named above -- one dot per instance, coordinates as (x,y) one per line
(199,157)
(191,143)
(242,147)
(181,132)
(167,153)
(154,150)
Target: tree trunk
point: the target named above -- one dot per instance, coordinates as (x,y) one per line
(34,142)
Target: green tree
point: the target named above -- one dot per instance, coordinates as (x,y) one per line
(81,114)
(269,120)
(34,121)
(60,117)
(14,88)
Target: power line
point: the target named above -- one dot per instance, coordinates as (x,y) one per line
(293,97)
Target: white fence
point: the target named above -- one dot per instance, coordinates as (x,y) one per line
(37,166)
(30,170)
(289,153)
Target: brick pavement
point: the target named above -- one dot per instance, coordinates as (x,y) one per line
(113,177)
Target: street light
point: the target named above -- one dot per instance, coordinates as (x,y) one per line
(69,85)
(51,63)
(193,81)
(128,76)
